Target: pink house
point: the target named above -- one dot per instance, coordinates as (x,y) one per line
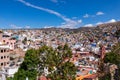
(6,44)
(4,57)
(7,41)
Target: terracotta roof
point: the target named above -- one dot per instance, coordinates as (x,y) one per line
(43,78)
(93,76)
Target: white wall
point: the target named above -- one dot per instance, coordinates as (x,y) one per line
(11,71)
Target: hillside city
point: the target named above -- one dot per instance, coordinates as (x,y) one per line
(85,53)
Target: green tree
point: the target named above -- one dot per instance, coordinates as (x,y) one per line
(113,57)
(106,77)
(29,67)
(117,33)
(58,62)
(116,48)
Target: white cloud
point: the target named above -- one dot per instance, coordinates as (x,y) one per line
(86,16)
(99,13)
(99,23)
(111,21)
(27,27)
(88,25)
(13,26)
(70,25)
(48,26)
(46,10)
(80,21)
(54,1)
(69,22)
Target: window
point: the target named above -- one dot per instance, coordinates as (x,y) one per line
(3,40)
(4,50)
(1,51)
(1,57)
(1,64)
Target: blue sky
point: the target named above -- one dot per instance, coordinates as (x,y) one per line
(57,13)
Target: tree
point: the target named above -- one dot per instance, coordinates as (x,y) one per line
(57,62)
(106,77)
(116,48)
(29,67)
(113,57)
(9,78)
(117,33)
(66,71)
